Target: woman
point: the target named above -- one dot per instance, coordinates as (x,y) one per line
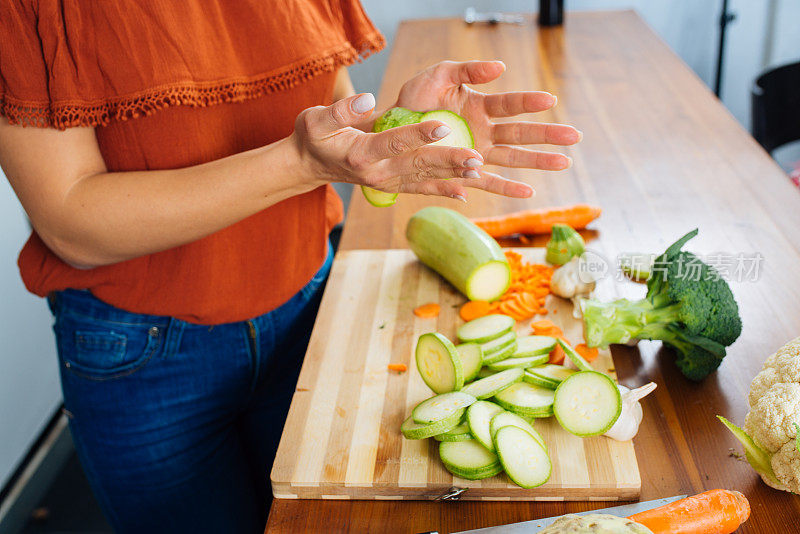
(177,177)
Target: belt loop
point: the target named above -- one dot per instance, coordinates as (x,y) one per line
(173,339)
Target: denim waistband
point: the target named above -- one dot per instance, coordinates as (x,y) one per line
(83,302)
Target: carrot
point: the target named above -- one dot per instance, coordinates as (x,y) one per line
(589,353)
(474,309)
(716,511)
(546,327)
(399,367)
(427,311)
(557,355)
(538,221)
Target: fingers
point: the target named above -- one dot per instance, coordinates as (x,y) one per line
(510,104)
(508,156)
(396,141)
(535,133)
(444,188)
(487,181)
(494,183)
(428,163)
(470,71)
(346,112)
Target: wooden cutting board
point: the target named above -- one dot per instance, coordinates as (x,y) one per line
(342,438)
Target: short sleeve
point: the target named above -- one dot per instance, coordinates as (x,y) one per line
(67,63)
(24,92)
(359,29)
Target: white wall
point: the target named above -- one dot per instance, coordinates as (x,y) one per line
(690,27)
(29,386)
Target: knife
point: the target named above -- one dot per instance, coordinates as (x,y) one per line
(529,527)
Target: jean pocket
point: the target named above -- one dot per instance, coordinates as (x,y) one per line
(101,352)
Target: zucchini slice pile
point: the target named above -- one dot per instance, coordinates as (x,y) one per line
(489,391)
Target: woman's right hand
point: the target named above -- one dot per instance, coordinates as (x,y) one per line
(398,160)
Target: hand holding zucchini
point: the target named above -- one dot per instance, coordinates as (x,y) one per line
(458,135)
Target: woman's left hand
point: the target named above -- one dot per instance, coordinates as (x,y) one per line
(441,86)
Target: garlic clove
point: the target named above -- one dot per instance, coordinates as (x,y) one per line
(627,424)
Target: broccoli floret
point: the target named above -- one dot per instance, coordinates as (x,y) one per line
(688,306)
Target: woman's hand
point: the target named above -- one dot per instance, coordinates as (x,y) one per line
(398,160)
(442,87)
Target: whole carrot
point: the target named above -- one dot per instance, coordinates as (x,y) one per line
(539,221)
(716,511)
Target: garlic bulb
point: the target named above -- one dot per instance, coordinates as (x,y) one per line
(566,281)
(630,418)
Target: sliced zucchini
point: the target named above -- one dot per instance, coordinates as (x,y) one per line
(413,430)
(471,355)
(522,363)
(485,371)
(453,437)
(441,407)
(498,343)
(479,416)
(438,363)
(576,358)
(468,459)
(524,459)
(534,346)
(552,372)
(587,403)
(485,328)
(378,198)
(494,384)
(460,135)
(537,380)
(461,428)
(526,399)
(505,418)
(500,354)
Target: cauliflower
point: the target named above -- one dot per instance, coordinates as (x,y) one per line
(770,436)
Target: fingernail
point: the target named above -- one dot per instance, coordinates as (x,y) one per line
(580,136)
(363,103)
(461,198)
(470,174)
(440,132)
(473,162)
(569,162)
(555,100)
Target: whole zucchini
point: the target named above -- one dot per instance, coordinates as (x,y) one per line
(462,253)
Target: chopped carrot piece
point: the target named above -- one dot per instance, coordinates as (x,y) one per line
(427,311)
(474,309)
(589,353)
(557,355)
(399,367)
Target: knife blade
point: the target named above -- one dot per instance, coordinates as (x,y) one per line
(529,527)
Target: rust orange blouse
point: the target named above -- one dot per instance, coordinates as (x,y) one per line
(174,83)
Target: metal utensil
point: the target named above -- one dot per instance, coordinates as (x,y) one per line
(535,525)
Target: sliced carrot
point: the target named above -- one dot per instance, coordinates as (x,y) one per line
(427,311)
(474,309)
(557,355)
(546,327)
(589,353)
(399,367)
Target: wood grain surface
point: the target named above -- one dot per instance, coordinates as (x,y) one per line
(661,155)
(342,437)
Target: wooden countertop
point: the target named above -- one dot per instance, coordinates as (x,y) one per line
(661,155)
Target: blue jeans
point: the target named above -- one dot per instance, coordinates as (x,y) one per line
(176,424)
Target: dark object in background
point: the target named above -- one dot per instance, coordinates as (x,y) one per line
(775,97)
(725,18)
(551,12)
